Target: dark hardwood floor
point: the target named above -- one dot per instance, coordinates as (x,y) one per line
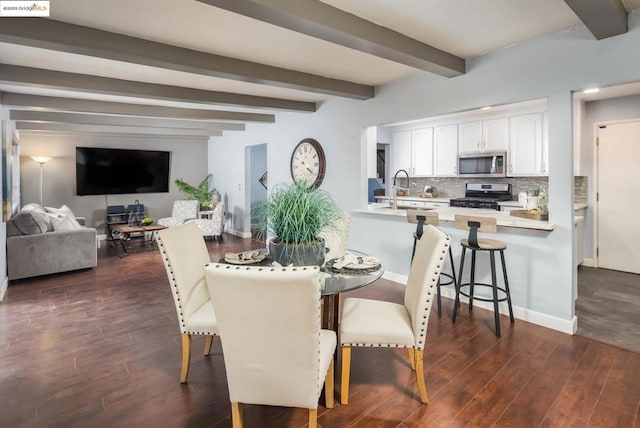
(100,348)
(608,306)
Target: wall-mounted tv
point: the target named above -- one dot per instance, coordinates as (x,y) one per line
(119,171)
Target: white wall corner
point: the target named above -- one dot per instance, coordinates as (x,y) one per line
(3,290)
(238,233)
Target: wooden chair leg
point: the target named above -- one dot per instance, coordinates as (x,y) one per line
(207,345)
(412,358)
(346,368)
(420,377)
(186,357)
(328,387)
(313,418)
(236,415)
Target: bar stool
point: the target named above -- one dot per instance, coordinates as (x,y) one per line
(475,244)
(420,218)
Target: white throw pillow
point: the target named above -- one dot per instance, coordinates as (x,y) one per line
(64,223)
(63,210)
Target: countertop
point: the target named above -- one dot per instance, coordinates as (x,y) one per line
(514,204)
(448,214)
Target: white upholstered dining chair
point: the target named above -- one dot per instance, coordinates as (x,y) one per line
(182,211)
(275,352)
(185,256)
(375,323)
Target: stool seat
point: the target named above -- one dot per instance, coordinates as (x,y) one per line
(485,244)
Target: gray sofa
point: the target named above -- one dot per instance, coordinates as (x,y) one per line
(42,250)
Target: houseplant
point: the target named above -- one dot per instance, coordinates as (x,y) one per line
(201,192)
(294,214)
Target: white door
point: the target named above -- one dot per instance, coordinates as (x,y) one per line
(445,149)
(618,190)
(422,140)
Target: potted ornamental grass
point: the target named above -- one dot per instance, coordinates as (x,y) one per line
(293,215)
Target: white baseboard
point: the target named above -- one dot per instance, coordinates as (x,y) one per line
(3,290)
(538,318)
(589,263)
(238,233)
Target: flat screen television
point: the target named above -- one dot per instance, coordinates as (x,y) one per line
(121,171)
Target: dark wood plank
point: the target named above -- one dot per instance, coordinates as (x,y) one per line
(101,348)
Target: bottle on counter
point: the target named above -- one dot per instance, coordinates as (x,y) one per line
(543,201)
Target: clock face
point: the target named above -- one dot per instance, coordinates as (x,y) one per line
(308,162)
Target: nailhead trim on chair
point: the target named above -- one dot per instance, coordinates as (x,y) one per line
(172,281)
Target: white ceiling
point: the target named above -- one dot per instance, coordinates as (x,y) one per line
(466,28)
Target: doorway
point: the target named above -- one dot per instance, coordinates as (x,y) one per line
(257,182)
(617,201)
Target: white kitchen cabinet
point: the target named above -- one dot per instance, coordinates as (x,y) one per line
(402,151)
(445,148)
(525,145)
(544,170)
(422,143)
(491,135)
(413,151)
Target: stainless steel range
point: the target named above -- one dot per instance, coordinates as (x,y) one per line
(479,195)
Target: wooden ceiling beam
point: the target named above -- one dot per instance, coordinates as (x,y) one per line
(40,102)
(604,18)
(99,119)
(320,20)
(97,129)
(41,78)
(77,39)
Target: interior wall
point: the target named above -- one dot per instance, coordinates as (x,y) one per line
(188,161)
(550,67)
(621,108)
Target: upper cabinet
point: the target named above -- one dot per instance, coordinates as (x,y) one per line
(430,147)
(445,151)
(525,145)
(413,151)
(491,135)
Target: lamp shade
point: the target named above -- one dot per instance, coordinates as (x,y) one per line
(41,159)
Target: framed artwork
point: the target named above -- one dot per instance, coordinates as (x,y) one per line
(7,173)
(263,180)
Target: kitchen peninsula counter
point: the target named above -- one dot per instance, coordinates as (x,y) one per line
(448,214)
(531,264)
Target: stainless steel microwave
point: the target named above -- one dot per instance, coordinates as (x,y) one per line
(482,164)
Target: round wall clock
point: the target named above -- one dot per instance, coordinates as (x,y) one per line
(308,162)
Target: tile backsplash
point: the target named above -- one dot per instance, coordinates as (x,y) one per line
(454,187)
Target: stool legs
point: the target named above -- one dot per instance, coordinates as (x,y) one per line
(494,282)
(456,304)
(506,285)
(493,285)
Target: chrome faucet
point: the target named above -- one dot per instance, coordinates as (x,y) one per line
(394,201)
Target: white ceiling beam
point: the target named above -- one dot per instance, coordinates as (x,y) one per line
(604,18)
(106,107)
(109,135)
(40,78)
(77,39)
(99,119)
(97,129)
(317,19)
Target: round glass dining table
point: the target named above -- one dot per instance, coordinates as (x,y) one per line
(336,283)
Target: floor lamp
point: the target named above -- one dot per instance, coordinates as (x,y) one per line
(41,160)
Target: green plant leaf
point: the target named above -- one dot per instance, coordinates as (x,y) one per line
(295,214)
(201,192)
